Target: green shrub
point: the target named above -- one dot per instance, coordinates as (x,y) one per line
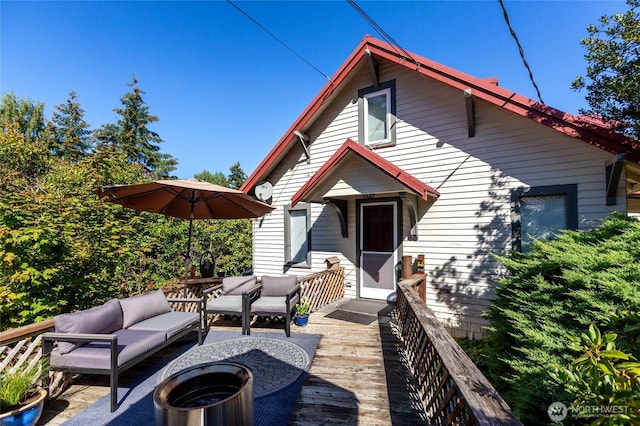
(557,289)
(604,381)
(477,351)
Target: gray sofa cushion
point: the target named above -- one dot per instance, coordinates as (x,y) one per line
(238,285)
(170,323)
(139,308)
(96,355)
(102,319)
(277,286)
(273,305)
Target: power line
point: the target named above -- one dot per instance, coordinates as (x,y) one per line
(278,40)
(380,31)
(515,37)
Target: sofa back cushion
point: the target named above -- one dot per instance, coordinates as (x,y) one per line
(238,285)
(277,286)
(101,319)
(139,308)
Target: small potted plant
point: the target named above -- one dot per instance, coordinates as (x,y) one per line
(302,312)
(21,394)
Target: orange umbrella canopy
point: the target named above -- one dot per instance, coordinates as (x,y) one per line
(186,199)
(182,197)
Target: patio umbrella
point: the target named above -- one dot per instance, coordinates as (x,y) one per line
(186,199)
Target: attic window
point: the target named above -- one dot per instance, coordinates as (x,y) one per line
(377,110)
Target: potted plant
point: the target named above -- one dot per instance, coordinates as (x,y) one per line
(21,394)
(302,312)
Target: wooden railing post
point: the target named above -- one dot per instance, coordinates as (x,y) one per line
(454,391)
(407,266)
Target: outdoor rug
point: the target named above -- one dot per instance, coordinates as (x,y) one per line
(272,406)
(359,311)
(275,363)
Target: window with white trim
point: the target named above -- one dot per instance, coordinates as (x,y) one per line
(376,122)
(297,235)
(541,212)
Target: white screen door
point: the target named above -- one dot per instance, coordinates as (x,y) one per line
(378,249)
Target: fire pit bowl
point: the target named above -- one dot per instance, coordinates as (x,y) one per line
(213,393)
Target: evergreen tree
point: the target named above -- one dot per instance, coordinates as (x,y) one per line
(132,134)
(613,71)
(216,178)
(236,176)
(27,115)
(70,134)
(106,137)
(558,288)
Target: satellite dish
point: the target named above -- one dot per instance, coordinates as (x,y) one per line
(264,191)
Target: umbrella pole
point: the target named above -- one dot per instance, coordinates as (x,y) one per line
(188,256)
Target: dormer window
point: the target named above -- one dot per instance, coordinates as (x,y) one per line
(376,124)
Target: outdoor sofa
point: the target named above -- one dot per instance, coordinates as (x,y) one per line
(113,337)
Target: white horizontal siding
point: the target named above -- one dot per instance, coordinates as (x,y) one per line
(475,176)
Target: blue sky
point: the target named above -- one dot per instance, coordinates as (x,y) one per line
(226,91)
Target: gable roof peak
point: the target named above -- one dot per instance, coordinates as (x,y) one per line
(486,89)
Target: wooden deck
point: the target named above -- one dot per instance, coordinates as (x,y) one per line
(358,375)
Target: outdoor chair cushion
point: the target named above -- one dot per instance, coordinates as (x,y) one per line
(277,286)
(238,285)
(170,323)
(131,344)
(225,304)
(273,304)
(101,319)
(138,308)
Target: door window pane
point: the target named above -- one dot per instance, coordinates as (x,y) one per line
(377,228)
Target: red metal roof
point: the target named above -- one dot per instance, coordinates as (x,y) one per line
(350,147)
(580,128)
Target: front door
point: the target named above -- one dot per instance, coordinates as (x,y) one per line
(378,249)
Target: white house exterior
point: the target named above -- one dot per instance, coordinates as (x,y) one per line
(400,156)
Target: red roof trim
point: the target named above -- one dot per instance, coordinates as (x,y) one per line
(351,147)
(283,144)
(485,89)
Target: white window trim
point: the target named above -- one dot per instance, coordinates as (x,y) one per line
(388,118)
(388,88)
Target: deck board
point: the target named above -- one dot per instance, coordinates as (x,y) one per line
(357,377)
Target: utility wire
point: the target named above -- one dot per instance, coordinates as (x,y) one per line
(515,37)
(380,31)
(278,40)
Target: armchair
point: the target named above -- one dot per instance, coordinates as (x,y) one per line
(278,297)
(234,300)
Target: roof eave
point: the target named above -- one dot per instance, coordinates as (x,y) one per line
(282,146)
(350,147)
(597,135)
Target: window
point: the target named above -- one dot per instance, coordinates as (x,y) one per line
(541,212)
(297,235)
(377,109)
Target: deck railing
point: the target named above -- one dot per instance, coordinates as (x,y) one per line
(23,344)
(323,287)
(452,389)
